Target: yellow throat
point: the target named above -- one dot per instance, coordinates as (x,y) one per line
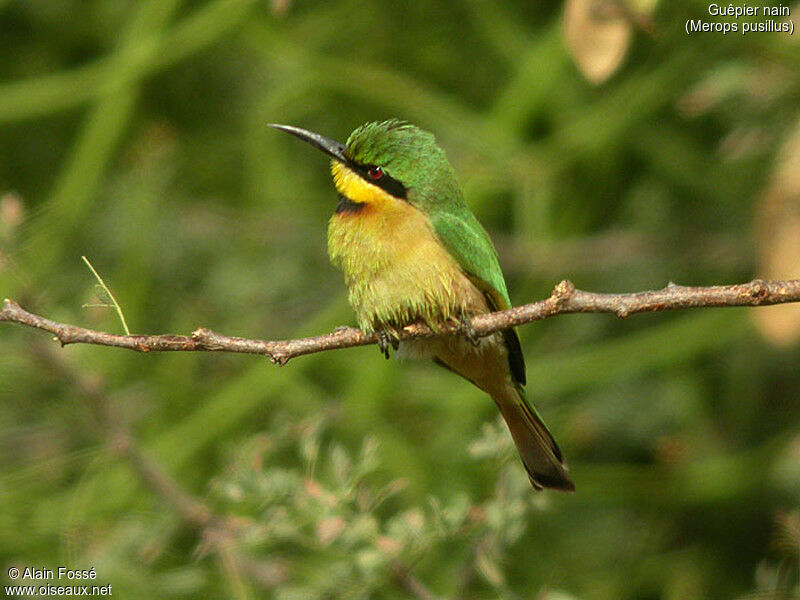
(395,268)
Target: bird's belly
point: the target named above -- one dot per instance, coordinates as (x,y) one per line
(397,271)
(485,364)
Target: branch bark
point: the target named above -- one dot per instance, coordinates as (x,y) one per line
(565,299)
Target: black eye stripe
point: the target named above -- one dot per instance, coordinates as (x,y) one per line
(386,182)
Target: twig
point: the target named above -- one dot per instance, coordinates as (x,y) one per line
(565,299)
(114,304)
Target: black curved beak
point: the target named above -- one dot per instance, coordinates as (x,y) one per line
(329,146)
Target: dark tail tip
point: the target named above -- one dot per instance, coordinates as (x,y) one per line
(539,452)
(560,482)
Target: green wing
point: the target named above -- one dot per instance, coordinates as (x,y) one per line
(467,241)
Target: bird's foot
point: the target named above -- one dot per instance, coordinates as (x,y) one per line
(466,329)
(387,338)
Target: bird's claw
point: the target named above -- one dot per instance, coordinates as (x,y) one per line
(383,343)
(466,329)
(385,340)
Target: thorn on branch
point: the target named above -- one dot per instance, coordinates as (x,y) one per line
(202,336)
(563,291)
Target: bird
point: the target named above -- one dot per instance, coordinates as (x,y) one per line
(412,251)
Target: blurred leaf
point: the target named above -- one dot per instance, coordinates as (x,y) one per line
(778,239)
(597,34)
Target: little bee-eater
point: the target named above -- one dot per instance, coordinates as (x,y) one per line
(411,250)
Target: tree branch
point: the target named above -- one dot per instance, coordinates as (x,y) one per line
(565,299)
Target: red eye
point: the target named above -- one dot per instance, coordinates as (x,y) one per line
(375,173)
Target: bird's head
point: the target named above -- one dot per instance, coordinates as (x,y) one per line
(385,161)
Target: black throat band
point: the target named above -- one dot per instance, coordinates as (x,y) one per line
(348,206)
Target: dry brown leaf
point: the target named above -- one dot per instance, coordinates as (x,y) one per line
(778,241)
(597,34)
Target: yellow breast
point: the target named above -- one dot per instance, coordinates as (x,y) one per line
(395,268)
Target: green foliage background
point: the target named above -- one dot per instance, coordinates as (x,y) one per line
(135,133)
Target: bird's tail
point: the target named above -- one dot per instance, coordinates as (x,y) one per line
(537,448)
